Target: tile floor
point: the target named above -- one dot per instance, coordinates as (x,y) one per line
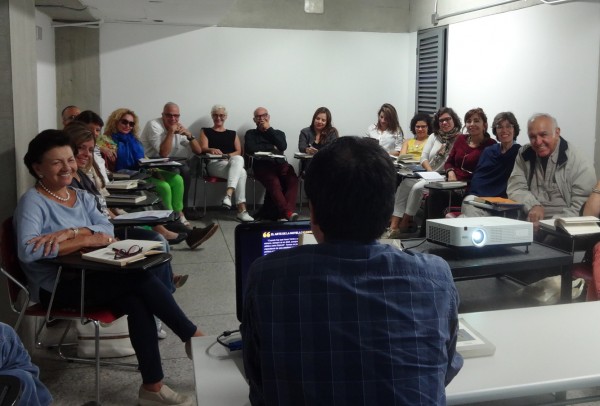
(208,298)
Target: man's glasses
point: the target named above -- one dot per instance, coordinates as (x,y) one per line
(171,115)
(221,116)
(71,117)
(260,116)
(131,251)
(445,120)
(127,122)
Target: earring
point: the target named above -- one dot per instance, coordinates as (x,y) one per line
(40,176)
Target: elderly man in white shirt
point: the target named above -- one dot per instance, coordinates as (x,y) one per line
(166,137)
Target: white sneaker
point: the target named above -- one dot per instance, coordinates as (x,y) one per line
(160,333)
(245,217)
(226,203)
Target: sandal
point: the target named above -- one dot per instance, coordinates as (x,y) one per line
(184,221)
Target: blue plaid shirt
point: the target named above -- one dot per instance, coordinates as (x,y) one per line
(350,324)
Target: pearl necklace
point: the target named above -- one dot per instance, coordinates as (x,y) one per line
(54,195)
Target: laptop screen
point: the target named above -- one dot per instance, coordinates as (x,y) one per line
(253,240)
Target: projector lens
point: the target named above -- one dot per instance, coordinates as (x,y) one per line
(478,237)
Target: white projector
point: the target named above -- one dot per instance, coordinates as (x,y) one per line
(479,231)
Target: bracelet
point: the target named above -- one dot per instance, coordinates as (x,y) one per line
(450,170)
(190,139)
(75,232)
(595,190)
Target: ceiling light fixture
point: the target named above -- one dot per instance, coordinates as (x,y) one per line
(313,6)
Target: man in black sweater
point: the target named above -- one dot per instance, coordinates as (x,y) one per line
(277,176)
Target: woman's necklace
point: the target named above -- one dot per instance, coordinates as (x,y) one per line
(54,195)
(472,143)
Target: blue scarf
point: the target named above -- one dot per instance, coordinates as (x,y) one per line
(129,151)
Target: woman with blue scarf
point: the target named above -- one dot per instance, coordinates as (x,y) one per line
(122,149)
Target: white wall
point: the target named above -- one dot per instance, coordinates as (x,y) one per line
(289,72)
(46,73)
(538,59)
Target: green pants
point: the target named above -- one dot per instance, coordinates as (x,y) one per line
(169,186)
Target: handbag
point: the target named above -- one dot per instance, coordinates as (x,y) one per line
(114,340)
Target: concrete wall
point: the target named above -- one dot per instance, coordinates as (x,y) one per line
(338,15)
(77,69)
(18,108)
(24,89)
(46,73)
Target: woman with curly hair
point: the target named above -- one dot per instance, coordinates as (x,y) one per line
(121,147)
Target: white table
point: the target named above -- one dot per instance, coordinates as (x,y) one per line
(217,374)
(539,350)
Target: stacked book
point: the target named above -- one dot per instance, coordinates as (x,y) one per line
(124,198)
(122,184)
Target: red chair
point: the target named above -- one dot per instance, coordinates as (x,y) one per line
(590,272)
(17,284)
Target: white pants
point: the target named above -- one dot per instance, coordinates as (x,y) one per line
(233,170)
(408,196)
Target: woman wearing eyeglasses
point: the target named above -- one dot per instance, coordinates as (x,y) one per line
(122,149)
(446,126)
(495,164)
(461,162)
(52,220)
(218,140)
(420,126)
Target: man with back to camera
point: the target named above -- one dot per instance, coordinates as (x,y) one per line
(350,321)
(550,178)
(166,137)
(277,176)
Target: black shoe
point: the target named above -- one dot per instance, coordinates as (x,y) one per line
(180,237)
(198,235)
(177,227)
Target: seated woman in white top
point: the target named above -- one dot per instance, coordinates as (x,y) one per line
(387,130)
(220,141)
